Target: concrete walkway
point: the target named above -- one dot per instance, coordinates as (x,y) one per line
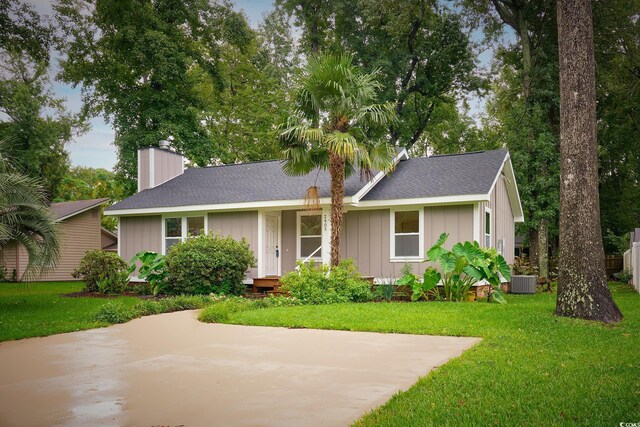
(172,370)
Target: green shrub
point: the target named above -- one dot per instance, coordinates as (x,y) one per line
(624,276)
(114,313)
(103,271)
(209,264)
(140,288)
(319,284)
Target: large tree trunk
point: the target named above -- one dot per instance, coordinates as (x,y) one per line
(336,169)
(533,248)
(582,281)
(543,249)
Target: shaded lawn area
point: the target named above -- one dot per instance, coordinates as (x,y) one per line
(531,368)
(37,309)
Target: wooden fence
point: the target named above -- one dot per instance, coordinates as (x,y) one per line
(614,264)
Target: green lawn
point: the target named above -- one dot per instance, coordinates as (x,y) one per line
(531,368)
(36,309)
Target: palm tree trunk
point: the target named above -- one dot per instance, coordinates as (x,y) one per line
(582,281)
(336,170)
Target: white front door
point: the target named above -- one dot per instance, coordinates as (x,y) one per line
(271,249)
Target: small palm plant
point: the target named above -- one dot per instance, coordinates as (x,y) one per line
(337,126)
(26,219)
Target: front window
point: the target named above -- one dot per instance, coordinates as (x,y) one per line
(487,228)
(406,236)
(310,236)
(195,225)
(180,228)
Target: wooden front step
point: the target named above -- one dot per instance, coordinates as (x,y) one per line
(263,284)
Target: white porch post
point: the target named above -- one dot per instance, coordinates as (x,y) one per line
(476,222)
(260,253)
(326,235)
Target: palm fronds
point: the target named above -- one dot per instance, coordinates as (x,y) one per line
(26,219)
(336,113)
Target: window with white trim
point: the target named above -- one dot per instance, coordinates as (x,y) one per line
(178,229)
(309,235)
(487,227)
(406,234)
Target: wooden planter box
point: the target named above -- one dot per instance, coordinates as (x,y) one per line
(523,284)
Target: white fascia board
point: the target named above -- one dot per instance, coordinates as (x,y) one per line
(476,222)
(243,206)
(376,179)
(495,180)
(512,188)
(444,200)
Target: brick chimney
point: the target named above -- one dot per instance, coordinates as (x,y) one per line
(157,165)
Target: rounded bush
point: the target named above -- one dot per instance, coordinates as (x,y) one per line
(319,284)
(208,264)
(103,272)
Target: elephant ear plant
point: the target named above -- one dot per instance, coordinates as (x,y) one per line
(461,267)
(152,270)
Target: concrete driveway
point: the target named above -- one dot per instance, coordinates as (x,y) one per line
(172,370)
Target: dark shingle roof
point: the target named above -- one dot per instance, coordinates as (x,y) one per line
(448,175)
(67,209)
(437,176)
(246,182)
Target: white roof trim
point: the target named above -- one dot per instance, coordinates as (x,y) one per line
(300,203)
(376,179)
(512,188)
(221,207)
(441,200)
(82,210)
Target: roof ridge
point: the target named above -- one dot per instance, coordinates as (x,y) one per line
(234,164)
(468,152)
(81,200)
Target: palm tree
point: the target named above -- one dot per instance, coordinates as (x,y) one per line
(26,219)
(336,126)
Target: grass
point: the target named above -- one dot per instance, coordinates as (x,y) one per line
(37,309)
(531,368)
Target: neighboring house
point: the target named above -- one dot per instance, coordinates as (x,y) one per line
(81,232)
(388,221)
(108,240)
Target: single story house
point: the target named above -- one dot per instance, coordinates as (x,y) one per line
(388,221)
(81,232)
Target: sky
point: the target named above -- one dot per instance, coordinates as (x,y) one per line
(95,148)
